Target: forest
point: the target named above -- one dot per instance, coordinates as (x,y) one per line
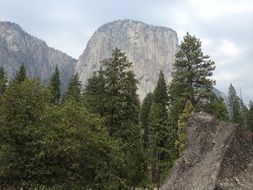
(100,136)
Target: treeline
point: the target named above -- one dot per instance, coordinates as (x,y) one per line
(102,137)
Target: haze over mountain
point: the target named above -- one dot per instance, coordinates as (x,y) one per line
(17,48)
(150,48)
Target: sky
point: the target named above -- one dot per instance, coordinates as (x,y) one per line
(225,28)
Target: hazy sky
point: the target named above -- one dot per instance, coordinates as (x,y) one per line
(225,27)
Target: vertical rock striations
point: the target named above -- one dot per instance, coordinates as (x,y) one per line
(17,48)
(150,48)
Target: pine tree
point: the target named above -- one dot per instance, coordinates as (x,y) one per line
(54,86)
(191,79)
(74,88)
(121,100)
(217,108)
(144,122)
(234,106)
(3,81)
(182,127)
(250,117)
(161,138)
(113,89)
(94,94)
(21,74)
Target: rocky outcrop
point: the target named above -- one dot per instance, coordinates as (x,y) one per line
(17,48)
(219,156)
(150,48)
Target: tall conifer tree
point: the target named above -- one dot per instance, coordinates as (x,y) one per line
(236,108)
(54,86)
(113,89)
(144,121)
(161,141)
(74,88)
(3,81)
(191,81)
(233,105)
(94,94)
(21,74)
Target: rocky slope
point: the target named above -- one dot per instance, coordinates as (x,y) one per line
(17,47)
(150,48)
(219,156)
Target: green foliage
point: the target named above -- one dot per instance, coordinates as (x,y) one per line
(217,108)
(111,92)
(191,79)
(55,86)
(250,117)
(144,121)
(54,147)
(21,120)
(74,88)
(79,152)
(236,108)
(21,74)
(3,81)
(94,92)
(161,142)
(121,100)
(182,127)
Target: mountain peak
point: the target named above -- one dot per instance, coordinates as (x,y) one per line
(18,47)
(150,48)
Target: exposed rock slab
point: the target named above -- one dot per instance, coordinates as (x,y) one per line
(219,156)
(17,48)
(150,48)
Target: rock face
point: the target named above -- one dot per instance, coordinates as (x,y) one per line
(17,48)
(219,156)
(150,48)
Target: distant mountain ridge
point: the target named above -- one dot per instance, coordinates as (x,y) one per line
(150,48)
(17,48)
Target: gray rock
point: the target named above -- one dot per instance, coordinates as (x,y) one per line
(17,48)
(218,156)
(150,48)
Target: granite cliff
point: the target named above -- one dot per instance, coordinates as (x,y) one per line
(17,47)
(218,156)
(150,48)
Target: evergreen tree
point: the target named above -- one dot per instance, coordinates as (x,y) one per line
(234,106)
(191,79)
(22,109)
(121,100)
(54,147)
(161,141)
(94,94)
(54,86)
(21,74)
(79,152)
(74,88)
(144,121)
(3,81)
(182,127)
(217,108)
(113,89)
